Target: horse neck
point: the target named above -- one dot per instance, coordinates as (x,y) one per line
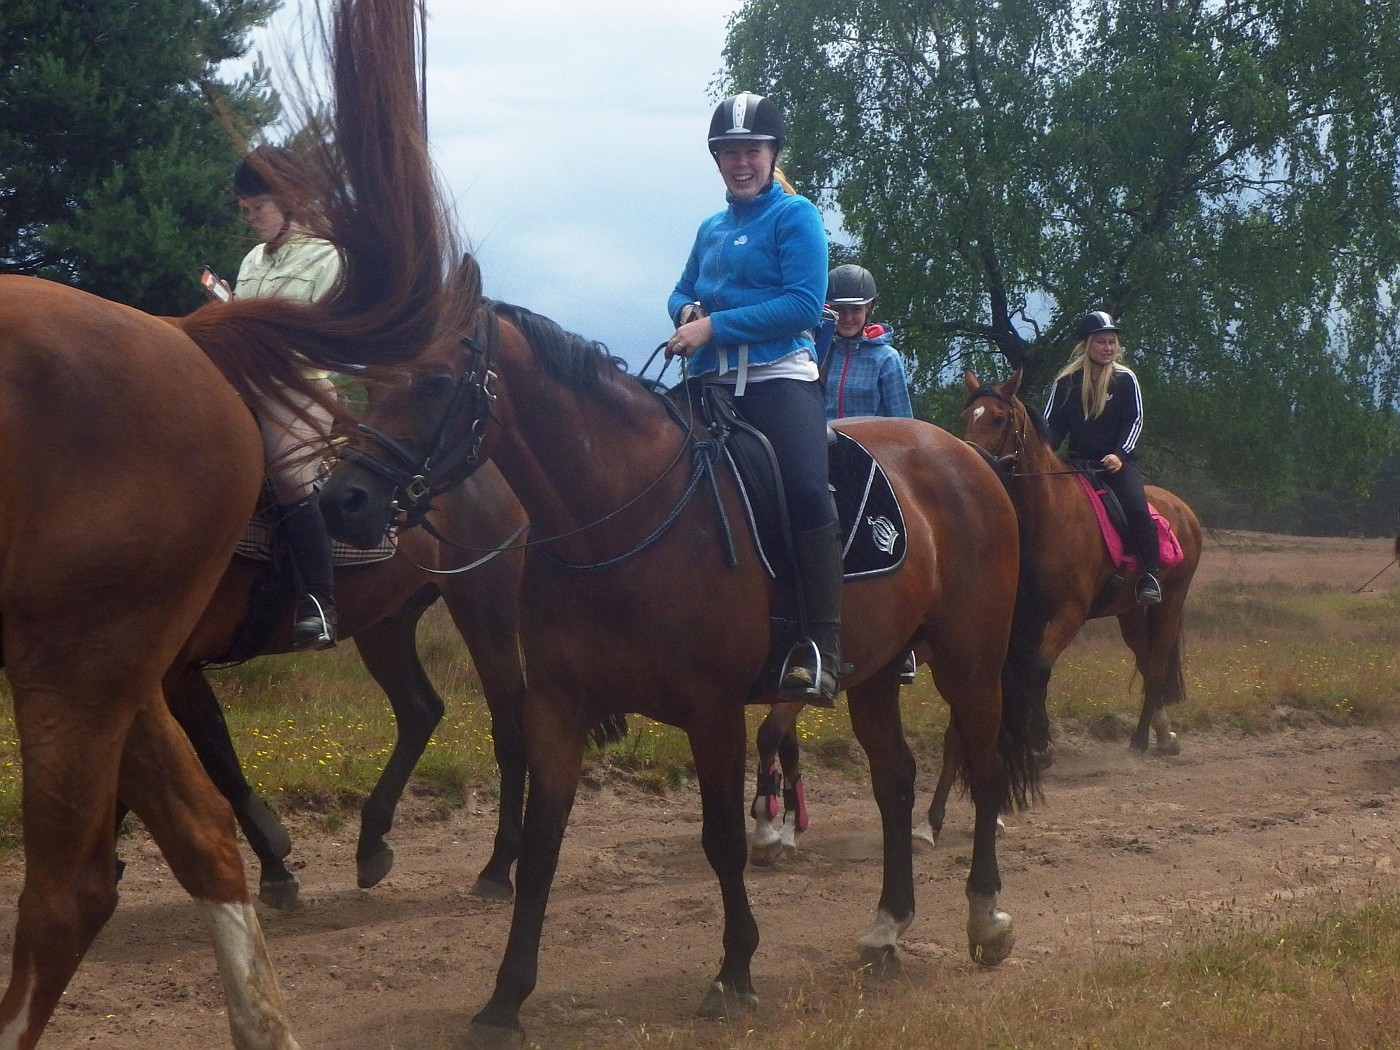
(1044,486)
(578,458)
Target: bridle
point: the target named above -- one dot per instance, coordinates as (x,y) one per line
(453,454)
(1013,429)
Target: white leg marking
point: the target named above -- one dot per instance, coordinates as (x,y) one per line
(255,1014)
(885,933)
(9,1037)
(990,937)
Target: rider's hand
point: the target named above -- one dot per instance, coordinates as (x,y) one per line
(690,337)
(1111,463)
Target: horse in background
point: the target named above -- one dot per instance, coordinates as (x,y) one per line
(1071,568)
(381,604)
(130,469)
(632,587)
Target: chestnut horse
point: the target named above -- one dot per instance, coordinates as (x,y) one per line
(1070,565)
(130,466)
(380,605)
(639,598)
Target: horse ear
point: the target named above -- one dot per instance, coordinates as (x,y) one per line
(970,381)
(1012,384)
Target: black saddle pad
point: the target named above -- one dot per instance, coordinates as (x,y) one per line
(872,525)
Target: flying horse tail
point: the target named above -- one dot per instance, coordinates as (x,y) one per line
(382,207)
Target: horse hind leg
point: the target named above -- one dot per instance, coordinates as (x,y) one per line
(777,753)
(193,826)
(69,889)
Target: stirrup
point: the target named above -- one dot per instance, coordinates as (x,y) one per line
(1149,591)
(808,681)
(314,627)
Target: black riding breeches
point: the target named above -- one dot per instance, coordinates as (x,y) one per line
(1142,530)
(792,416)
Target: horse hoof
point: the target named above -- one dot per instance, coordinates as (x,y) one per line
(723,1002)
(1168,744)
(370,871)
(765,854)
(494,1037)
(281,894)
(491,890)
(924,833)
(880,962)
(1045,759)
(993,952)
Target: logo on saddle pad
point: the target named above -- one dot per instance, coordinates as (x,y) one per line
(883,533)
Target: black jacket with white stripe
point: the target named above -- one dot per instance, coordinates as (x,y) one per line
(1116,431)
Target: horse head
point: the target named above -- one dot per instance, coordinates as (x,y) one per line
(418,439)
(994,419)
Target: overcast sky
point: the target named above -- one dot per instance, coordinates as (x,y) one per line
(571,134)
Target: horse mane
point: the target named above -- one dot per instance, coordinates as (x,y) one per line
(574,360)
(397,296)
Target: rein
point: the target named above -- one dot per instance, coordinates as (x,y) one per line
(1009,461)
(449,461)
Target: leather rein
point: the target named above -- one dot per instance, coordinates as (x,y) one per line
(455,452)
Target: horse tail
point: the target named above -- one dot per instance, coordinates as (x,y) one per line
(398,292)
(1025,679)
(1173,688)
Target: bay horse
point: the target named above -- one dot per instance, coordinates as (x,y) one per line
(130,466)
(380,605)
(1070,565)
(634,599)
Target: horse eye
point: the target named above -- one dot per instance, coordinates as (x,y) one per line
(430,383)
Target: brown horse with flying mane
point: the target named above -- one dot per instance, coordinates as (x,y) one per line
(643,592)
(1070,567)
(130,466)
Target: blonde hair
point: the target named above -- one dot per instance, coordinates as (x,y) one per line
(1093,393)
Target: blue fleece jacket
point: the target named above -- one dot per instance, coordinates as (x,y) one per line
(758,268)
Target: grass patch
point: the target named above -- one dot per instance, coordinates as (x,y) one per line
(1327,981)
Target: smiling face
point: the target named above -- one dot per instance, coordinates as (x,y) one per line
(746,166)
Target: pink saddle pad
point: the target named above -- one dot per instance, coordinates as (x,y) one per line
(1168,546)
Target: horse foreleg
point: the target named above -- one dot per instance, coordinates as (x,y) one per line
(390,654)
(718,749)
(486,616)
(875,718)
(795,818)
(990,935)
(193,826)
(200,715)
(554,746)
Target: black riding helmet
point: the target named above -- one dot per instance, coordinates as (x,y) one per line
(850,285)
(271,170)
(746,116)
(1093,323)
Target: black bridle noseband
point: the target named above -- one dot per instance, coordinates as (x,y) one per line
(451,456)
(1006,460)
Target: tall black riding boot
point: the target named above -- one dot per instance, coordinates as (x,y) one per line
(813,667)
(304,531)
(1149,589)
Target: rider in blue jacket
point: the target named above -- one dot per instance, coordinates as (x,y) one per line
(745,309)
